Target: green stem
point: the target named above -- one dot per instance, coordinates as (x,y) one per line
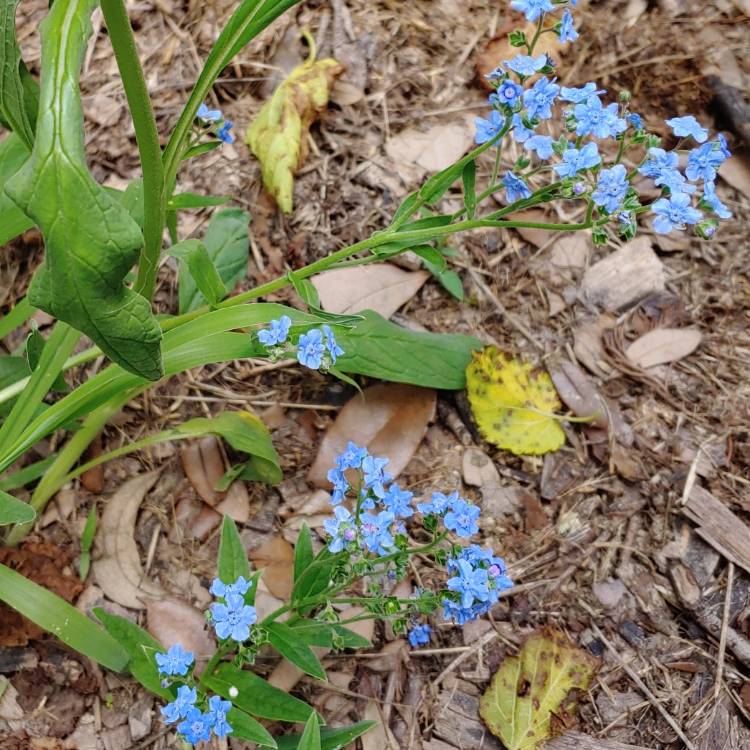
(147,136)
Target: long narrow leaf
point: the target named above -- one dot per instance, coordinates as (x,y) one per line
(13,510)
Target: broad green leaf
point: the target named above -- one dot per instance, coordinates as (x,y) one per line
(196,263)
(91,241)
(255,696)
(310,739)
(530,689)
(194,200)
(13,510)
(13,221)
(19,93)
(53,614)
(284,640)
(384,350)
(303,552)
(140,647)
(314,579)
(232,562)
(330,739)
(12,369)
(244,727)
(227,242)
(328,634)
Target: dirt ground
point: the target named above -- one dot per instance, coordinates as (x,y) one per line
(633,540)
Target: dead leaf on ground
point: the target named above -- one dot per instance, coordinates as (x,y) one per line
(276,558)
(204,467)
(589,348)
(536,237)
(93,479)
(663,345)
(532,694)
(736,172)
(118,568)
(380,286)
(389,419)
(172,621)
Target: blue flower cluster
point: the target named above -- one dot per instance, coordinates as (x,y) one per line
(316,349)
(212,120)
(232,618)
(521,105)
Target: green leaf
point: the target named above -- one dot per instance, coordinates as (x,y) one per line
(91,241)
(13,221)
(283,639)
(227,242)
(140,647)
(314,579)
(407,208)
(87,541)
(196,263)
(384,350)
(328,634)
(201,148)
(330,739)
(53,614)
(12,369)
(232,562)
(16,317)
(255,696)
(194,200)
(27,474)
(19,93)
(34,347)
(469,177)
(303,551)
(244,727)
(310,739)
(306,291)
(14,511)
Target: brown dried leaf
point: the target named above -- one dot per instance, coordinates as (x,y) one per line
(736,171)
(276,558)
(663,345)
(171,620)
(381,287)
(118,568)
(390,419)
(93,479)
(204,466)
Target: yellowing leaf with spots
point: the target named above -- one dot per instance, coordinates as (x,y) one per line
(513,403)
(532,696)
(278,135)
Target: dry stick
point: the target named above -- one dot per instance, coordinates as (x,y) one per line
(638,681)
(724,629)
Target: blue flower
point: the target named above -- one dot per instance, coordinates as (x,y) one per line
(532,8)
(577,95)
(674,213)
(635,120)
(462,519)
(340,485)
(398,501)
(374,475)
(471,583)
(575,160)
(419,635)
(723,146)
(675,181)
(658,162)
(439,503)
(233,619)
(496,73)
(277,333)
(515,188)
(224,134)
(540,97)
(196,727)
(461,615)
(593,117)
(525,65)
(541,144)
(179,707)
(223,590)
(688,126)
(711,200)
(520,132)
(507,92)
(209,115)
(375,532)
(489,128)
(310,349)
(704,161)
(352,456)
(611,188)
(334,350)
(567,31)
(340,528)
(175,661)
(218,710)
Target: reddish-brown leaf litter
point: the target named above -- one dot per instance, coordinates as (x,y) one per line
(633,540)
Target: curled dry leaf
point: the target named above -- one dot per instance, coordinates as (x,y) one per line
(381,287)
(172,621)
(663,345)
(390,419)
(118,568)
(204,467)
(275,558)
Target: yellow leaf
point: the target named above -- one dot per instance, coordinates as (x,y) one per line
(278,135)
(513,404)
(531,690)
